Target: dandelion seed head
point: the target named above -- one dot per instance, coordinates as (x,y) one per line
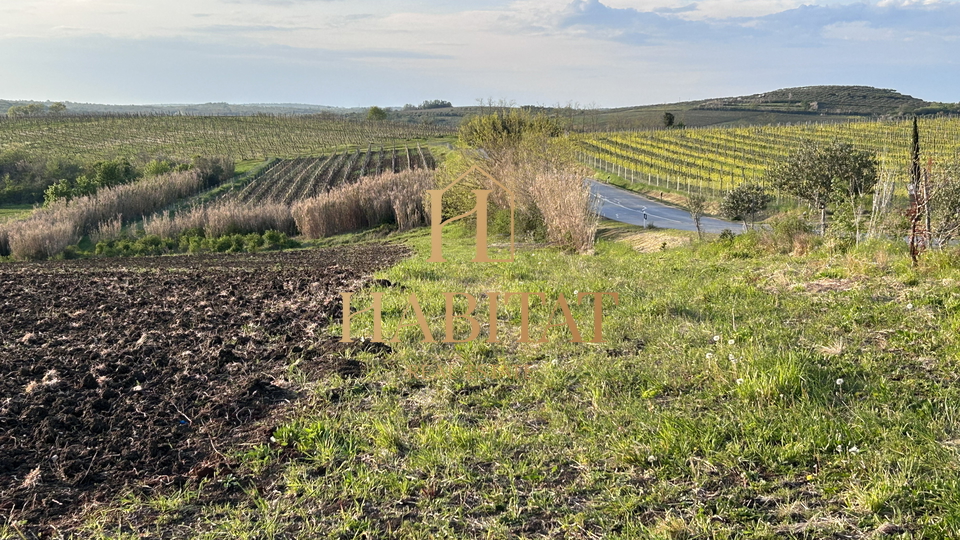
(853,450)
(839,382)
(716,338)
(651,459)
(739,382)
(730,342)
(910,306)
(709,355)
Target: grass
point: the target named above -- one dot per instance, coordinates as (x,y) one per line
(738,395)
(14,211)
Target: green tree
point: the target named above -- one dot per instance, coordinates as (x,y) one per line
(502,130)
(745,202)
(668,119)
(822,174)
(376,113)
(57,109)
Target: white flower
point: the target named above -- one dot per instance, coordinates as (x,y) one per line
(730,342)
(739,381)
(716,338)
(651,459)
(839,448)
(910,306)
(730,357)
(853,450)
(709,355)
(839,382)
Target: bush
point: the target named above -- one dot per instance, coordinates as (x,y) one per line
(792,234)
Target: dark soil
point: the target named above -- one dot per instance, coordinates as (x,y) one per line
(135,374)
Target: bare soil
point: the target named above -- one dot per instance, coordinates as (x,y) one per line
(135,374)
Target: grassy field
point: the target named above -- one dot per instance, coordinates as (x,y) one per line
(14,211)
(739,394)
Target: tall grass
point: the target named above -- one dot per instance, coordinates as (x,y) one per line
(48,231)
(229,217)
(395,197)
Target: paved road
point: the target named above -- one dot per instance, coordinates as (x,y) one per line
(628,207)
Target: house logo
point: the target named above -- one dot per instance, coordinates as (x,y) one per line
(479,210)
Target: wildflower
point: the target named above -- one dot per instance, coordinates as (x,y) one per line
(853,450)
(910,306)
(839,448)
(730,342)
(839,382)
(739,381)
(731,357)
(716,338)
(651,459)
(709,355)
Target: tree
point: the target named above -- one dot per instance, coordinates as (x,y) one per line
(376,113)
(57,108)
(697,207)
(821,175)
(668,119)
(745,202)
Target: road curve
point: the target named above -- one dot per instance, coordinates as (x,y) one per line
(628,207)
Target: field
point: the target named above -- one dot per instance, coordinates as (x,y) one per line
(88,138)
(714,160)
(147,369)
(824,407)
(287,181)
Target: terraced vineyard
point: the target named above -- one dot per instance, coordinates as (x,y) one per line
(713,160)
(289,180)
(182,137)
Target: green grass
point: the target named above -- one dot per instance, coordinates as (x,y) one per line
(827,407)
(14,211)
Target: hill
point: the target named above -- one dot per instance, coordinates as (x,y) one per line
(822,104)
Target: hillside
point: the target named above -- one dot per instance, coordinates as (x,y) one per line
(822,104)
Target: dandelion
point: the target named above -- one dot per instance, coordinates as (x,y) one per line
(739,382)
(730,342)
(716,338)
(853,450)
(910,306)
(709,355)
(839,382)
(651,459)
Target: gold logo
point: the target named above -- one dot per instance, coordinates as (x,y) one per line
(480,210)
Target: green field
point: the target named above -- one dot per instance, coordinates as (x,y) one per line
(88,138)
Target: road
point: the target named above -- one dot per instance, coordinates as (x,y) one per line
(628,207)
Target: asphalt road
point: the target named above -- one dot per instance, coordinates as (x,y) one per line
(628,207)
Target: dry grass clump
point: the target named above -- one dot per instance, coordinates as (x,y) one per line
(49,231)
(395,197)
(544,174)
(226,218)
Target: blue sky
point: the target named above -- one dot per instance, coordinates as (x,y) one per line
(386,52)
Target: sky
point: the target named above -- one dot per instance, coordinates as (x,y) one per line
(352,53)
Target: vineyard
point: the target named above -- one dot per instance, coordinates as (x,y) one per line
(289,180)
(714,160)
(182,137)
